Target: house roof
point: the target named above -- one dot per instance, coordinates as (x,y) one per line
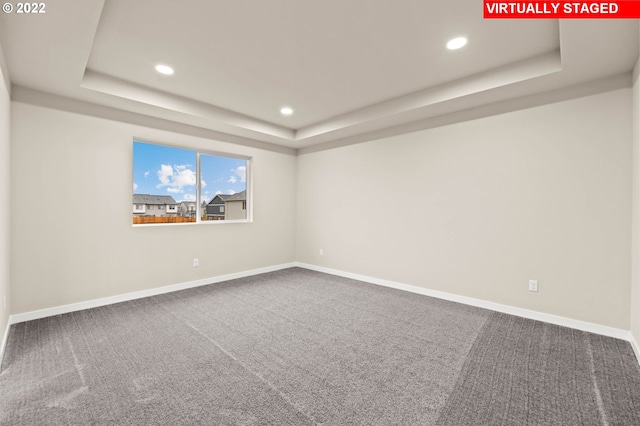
(153,199)
(240,196)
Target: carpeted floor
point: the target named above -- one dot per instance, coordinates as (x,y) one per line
(301,347)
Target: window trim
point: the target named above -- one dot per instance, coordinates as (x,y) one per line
(199,208)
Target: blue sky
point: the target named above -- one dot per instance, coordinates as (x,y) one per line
(162,170)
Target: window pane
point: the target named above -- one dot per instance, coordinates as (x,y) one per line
(163,177)
(223,189)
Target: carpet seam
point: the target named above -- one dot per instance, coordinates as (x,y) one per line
(596,388)
(241,364)
(262,379)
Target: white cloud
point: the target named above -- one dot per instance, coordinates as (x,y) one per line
(146,174)
(231,192)
(240,172)
(189,197)
(202,183)
(135,186)
(232,179)
(164,175)
(186,177)
(218,192)
(175,178)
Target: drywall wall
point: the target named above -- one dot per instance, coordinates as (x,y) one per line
(72,238)
(479,208)
(5,221)
(635,217)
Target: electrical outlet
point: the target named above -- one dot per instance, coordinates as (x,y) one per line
(321,252)
(196,263)
(533,285)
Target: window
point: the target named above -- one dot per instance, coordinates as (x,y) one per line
(214,184)
(229,178)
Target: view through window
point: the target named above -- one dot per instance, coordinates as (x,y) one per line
(177,185)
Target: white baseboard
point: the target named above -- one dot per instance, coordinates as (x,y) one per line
(635,346)
(5,339)
(57,310)
(524,313)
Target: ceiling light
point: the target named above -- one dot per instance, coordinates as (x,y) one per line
(456,43)
(286,111)
(164,69)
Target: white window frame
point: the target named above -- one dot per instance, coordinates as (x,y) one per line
(199,208)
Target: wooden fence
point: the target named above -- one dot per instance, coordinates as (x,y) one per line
(161,219)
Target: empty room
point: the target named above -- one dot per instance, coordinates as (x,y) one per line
(319,212)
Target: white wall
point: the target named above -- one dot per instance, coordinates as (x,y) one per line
(480,207)
(474,209)
(5,201)
(635,222)
(65,250)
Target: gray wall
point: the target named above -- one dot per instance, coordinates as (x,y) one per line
(5,202)
(483,206)
(71,160)
(635,281)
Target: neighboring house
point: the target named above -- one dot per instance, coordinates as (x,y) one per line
(154,205)
(187,209)
(203,210)
(228,207)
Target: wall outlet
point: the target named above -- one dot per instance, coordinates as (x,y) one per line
(196,263)
(321,252)
(533,285)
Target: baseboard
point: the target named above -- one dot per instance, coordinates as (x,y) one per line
(524,313)
(58,310)
(5,339)
(635,346)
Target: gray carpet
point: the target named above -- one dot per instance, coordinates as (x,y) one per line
(301,347)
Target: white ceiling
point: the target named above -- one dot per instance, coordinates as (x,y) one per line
(347,67)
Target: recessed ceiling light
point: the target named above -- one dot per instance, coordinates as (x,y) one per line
(286,111)
(456,43)
(164,69)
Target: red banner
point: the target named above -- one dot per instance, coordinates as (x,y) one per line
(626,9)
